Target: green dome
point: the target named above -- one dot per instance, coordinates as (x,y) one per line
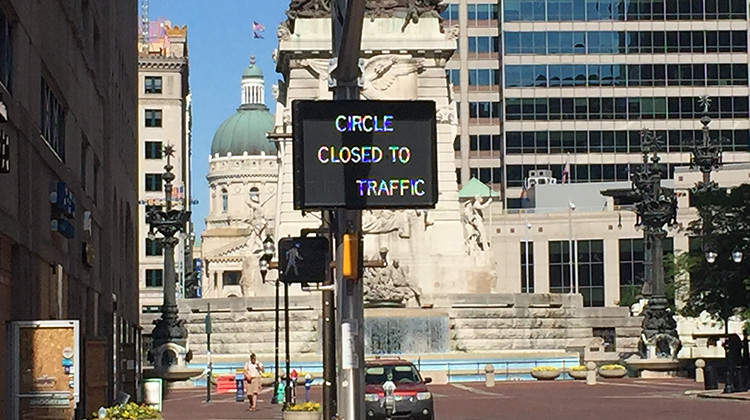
(252,71)
(245,131)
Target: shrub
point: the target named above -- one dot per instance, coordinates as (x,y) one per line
(308,406)
(543,368)
(130,411)
(612,367)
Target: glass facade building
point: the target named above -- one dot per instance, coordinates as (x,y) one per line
(567,86)
(582,77)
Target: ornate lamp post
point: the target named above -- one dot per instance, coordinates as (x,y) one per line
(269,249)
(656,208)
(169,222)
(706,155)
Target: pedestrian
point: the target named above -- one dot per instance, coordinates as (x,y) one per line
(252,372)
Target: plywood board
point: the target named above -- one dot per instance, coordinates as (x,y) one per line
(96,374)
(41,359)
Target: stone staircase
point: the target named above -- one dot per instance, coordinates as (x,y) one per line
(477,324)
(240,326)
(485,323)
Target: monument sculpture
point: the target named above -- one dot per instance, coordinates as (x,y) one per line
(389,286)
(472,218)
(411,10)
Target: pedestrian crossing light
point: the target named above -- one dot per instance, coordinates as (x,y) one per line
(303,259)
(350,256)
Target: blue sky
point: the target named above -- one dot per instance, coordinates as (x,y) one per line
(220,43)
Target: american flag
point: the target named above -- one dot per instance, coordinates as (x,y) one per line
(566,173)
(257,29)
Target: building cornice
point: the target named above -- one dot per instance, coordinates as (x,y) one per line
(162,63)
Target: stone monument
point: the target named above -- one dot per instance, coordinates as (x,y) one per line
(404,52)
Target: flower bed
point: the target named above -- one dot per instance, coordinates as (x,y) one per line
(545,372)
(612,371)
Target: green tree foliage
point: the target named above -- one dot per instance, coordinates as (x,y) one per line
(721,288)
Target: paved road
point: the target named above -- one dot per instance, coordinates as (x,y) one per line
(625,399)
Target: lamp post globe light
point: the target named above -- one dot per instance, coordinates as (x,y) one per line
(656,208)
(168,222)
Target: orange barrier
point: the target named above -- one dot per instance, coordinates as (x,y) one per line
(225,384)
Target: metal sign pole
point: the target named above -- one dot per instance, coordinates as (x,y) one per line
(329,331)
(210,369)
(347,17)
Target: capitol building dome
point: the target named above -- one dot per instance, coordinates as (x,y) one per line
(246,130)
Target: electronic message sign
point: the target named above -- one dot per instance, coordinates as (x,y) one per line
(364,154)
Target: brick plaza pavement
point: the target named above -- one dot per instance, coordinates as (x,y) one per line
(626,399)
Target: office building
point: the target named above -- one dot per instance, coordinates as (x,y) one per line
(563,88)
(164,112)
(69,204)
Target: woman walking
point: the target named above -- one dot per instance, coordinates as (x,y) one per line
(252,372)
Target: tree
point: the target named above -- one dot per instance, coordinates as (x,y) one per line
(722,288)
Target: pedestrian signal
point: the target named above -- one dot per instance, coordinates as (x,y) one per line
(303,260)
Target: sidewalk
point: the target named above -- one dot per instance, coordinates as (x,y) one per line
(188,404)
(719,393)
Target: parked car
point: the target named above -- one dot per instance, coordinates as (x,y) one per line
(412,399)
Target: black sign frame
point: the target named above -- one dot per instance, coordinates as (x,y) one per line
(319,186)
(313,256)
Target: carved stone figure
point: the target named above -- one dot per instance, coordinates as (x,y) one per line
(391,76)
(319,69)
(250,274)
(446,115)
(386,221)
(411,10)
(453,33)
(256,219)
(473,219)
(282,32)
(390,285)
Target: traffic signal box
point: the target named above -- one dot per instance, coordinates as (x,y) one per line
(303,259)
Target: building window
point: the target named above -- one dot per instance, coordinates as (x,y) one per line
(454,76)
(224,200)
(52,118)
(616,42)
(153,150)
(153,182)
(560,267)
(231,278)
(154,278)
(153,247)
(153,84)
(153,118)
(527,267)
(6,52)
(590,264)
(611,108)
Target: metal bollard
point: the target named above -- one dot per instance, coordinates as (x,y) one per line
(700,364)
(590,373)
(489,376)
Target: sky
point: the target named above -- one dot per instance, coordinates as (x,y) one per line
(220,43)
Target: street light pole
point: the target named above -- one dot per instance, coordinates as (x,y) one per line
(711,256)
(169,222)
(656,208)
(347,17)
(269,249)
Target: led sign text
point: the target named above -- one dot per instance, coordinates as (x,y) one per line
(364,154)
